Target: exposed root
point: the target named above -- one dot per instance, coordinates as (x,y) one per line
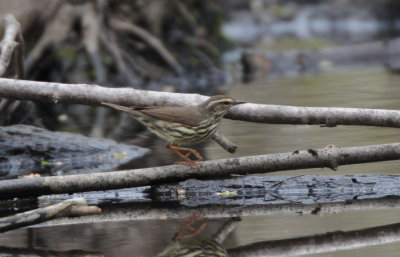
(12,49)
(56,31)
(12,40)
(151,40)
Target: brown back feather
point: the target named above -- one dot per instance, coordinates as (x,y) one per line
(188,115)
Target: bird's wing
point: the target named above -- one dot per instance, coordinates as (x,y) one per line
(130,110)
(190,116)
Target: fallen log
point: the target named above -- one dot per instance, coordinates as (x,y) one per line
(268,190)
(26,149)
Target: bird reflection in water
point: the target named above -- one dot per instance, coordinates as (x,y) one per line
(190,245)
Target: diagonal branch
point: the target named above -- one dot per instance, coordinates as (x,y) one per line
(330,157)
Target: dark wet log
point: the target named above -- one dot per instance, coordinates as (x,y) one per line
(251,190)
(73,207)
(148,211)
(32,252)
(330,157)
(329,242)
(27,149)
(266,190)
(276,114)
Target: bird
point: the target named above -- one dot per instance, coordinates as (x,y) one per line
(194,247)
(183,125)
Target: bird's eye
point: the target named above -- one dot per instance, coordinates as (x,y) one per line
(226,103)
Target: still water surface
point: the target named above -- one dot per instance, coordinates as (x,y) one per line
(366,88)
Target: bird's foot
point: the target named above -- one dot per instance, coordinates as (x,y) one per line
(190,162)
(186,157)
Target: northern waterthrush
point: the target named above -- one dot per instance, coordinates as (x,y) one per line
(183,125)
(189,245)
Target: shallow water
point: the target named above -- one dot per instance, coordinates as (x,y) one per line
(359,88)
(366,88)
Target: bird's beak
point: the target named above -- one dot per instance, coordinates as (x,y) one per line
(239,102)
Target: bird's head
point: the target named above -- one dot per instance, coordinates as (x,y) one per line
(219,104)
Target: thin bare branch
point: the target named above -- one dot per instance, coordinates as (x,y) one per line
(329,242)
(224,142)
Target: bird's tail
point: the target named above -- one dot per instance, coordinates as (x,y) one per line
(130,110)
